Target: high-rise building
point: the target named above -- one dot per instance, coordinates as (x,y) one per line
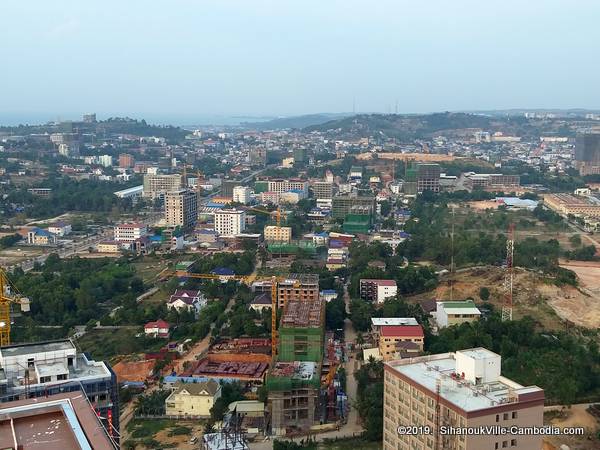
(298,286)
(47,368)
(156,185)
(428,177)
(126,161)
(342,205)
(181,208)
(459,389)
(258,157)
(587,153)
(242,194)
(230,222)
(227,187)
(322,190)
(105,160)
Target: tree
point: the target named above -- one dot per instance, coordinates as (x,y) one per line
(360,314)
(484,293)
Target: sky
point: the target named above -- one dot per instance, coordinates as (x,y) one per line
(184,60)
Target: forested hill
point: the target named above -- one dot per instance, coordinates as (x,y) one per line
(414,126)
(294,121)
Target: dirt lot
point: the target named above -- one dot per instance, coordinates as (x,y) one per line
(532,296)
(576,416)
(14,255)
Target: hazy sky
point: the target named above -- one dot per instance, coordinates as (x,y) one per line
(191,58)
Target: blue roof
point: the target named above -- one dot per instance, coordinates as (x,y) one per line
(215,205)
(404,234)
(206,231)
(175,378)
(328,291)
(322,234)
(42,232)
(222,271)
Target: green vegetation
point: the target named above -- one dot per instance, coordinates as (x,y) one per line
(484,293)
(9,240)
(69,195)
(73,291)
(370,398)
(230,392)
(531,357)
(152,404)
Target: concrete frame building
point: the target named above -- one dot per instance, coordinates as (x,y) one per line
(322,190)
(273,233)
(376,291)
(129,232)
(242,194)
(460,389)
(181,208)
(341,206)
(230,222)
(298,286)
(156,185)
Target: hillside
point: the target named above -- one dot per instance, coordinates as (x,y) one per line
(409,127)
(297,122)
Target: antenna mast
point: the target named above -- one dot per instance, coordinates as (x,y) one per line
(507,307)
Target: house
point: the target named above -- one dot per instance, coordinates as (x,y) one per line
(37,236)
(60,228)
(159,328)
(192,399)
(400,341)
(261,302)
(376,291)
(328,295)
(455,313)
(190,300)
(224,273)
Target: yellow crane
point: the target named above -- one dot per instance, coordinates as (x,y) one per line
(246,279)
(7,297)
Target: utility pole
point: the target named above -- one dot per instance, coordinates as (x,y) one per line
(507,307)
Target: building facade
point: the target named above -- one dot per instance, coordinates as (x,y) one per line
(455,313)
(298,286)
(192,399)
(129,232)
(156,185)
(460,389)
(181,208)
(230,222)
(273,233)
(376,291)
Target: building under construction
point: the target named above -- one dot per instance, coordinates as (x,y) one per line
(295,379)
(297,286)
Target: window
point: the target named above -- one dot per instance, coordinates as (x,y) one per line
(514,414)
(505,417)
(62,376)
(497,418)
(496,446)
(504,444)
(513,442)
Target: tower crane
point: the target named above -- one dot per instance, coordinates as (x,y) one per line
(8,297)
(246,279)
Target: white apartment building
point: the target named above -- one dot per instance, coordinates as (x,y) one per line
(230,222)
(129,232)
(242,194)
(292,184)
(105,160)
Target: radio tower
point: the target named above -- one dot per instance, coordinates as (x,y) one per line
(508,280)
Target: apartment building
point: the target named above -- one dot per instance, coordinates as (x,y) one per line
(322,190)
(230,222)
(126,161)
(455,313)
(156,185)
(376,291)
(400,341)
(46,368)
(285,185)
(351,204)
(181,208)
(428,177)
(129,232)
(274,233)
(242,194)
(298,286)
(459,389)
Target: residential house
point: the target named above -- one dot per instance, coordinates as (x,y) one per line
(456,312)
(261,302)
(190,300)
(60,228)
(159,328)
(38,236)
(192,399)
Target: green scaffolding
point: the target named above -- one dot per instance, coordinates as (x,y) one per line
(300,344)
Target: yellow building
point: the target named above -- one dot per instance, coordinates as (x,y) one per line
(192,399)
(274,233)
(108,247)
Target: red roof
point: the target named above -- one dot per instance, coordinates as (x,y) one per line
(402,330)
(158,324)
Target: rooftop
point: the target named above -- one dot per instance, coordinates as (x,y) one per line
(464,307)
(37,347)
(302,314)
(303,278)
(379,282)
(468,396)
(380,321)
(296,370)
(402,330)
(57,422)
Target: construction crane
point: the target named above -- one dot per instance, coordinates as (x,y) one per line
(246,279)
(507,306)
(8,297)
